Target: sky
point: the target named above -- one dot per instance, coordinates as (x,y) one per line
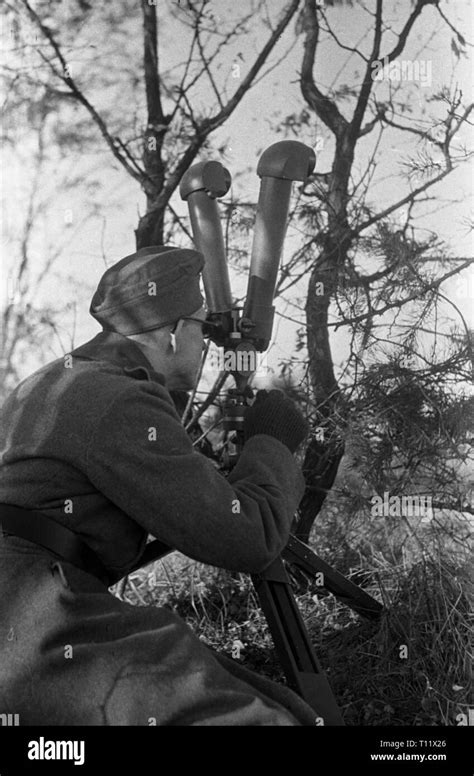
(107,237)
(253,128)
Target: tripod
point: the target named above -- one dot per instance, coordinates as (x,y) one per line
(296,653)
(293,645)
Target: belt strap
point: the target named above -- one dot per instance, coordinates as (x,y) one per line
(39,528)
(153,551)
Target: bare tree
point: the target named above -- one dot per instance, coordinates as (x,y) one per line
(348,226)
(153,140)
(173,135)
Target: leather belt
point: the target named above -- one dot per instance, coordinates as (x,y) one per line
(40,529)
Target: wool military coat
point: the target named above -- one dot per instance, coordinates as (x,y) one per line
(93,440)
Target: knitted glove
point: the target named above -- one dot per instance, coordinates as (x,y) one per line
(275,414)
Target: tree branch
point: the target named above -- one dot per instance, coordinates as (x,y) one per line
(333,35)
(139,175)
(384,213)
(150,58)
(320,103)
(368,82)
(210,124)
(379,116)
(205,127)
(206,66)
(403,37)
(401,302)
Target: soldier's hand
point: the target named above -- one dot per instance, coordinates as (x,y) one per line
(275,414)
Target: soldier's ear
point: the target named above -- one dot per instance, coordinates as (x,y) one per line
(173,334)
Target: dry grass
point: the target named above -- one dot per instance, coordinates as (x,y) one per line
(420,573)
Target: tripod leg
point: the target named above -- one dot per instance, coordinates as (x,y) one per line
(346,591)
(296,653)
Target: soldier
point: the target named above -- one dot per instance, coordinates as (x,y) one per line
(96,458)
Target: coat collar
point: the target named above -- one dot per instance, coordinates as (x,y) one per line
(121,351)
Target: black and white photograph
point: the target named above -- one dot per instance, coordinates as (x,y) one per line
(236,405)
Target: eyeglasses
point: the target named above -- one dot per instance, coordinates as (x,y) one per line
(208,328)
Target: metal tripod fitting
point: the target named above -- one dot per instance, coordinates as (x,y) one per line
(200,186)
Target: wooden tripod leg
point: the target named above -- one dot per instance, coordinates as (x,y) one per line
(346,591)
(292,643)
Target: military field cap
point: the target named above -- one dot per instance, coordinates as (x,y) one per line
(150,288)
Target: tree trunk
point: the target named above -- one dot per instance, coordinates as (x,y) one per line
(151,225)
(325,451)
(150,228)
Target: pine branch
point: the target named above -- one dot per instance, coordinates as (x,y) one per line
(401,302)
